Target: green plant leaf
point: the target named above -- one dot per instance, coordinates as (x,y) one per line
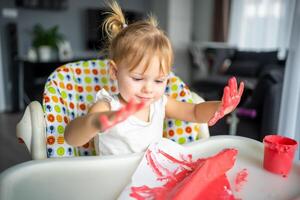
(46,37)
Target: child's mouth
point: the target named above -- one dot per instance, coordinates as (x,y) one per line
(144,99)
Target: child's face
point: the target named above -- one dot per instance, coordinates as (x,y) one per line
(139,84)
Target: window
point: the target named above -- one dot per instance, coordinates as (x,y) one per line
(261,24)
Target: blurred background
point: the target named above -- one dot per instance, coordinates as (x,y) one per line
(254,40)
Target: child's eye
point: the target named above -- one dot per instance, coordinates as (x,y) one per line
(137,79)
(159,81)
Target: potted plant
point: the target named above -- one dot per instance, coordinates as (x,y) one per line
(46,41)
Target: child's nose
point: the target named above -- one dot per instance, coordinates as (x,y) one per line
(147,87)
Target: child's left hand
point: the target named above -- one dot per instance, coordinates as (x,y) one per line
(230,100)
(120,115)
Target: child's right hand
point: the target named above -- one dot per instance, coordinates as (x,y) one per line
(230,100)
(120,115)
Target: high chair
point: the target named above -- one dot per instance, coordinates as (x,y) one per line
(69,92)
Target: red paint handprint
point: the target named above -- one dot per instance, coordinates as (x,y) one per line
(120,115)
(230,100)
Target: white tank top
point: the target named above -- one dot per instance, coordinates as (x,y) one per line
(132,135)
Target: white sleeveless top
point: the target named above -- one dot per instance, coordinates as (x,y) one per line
(132,135)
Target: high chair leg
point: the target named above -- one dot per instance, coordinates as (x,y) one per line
(32,130)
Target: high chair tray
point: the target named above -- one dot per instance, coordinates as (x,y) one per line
(105,177)
(261,184)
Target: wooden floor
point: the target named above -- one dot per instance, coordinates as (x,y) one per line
(11,152)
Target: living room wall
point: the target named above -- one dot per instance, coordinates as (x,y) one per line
(202,20)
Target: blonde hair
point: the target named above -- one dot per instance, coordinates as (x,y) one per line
(132,42)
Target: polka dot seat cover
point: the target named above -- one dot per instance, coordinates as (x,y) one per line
(70,90)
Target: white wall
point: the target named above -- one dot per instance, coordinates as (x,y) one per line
(180,31)
(160,9)
(184,22)
(202,20)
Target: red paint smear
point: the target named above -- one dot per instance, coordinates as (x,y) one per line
(217,189)
(240,179)
(202,179)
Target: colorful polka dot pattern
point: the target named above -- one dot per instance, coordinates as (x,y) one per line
(69,92)
(180,131)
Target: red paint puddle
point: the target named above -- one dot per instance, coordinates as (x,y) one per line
(201,179)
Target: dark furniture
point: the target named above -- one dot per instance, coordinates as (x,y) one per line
(265,100)
(33,76)
(262,73)
(42,4)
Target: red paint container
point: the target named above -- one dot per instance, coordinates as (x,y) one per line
(279,153)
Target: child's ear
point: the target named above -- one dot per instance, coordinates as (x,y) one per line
(112,70)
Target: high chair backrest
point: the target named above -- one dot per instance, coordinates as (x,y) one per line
(70,91)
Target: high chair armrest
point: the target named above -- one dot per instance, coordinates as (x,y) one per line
(32,130)
(204,126)
(197,98)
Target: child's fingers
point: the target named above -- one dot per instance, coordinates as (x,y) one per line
(230,100)
(133,106)
(119,115)
(213,120)
(233,86)
(226,97)
(241,88)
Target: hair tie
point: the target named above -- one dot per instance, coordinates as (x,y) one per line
(124,25)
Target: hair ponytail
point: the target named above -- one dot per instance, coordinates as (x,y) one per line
(152,20)
(115,20)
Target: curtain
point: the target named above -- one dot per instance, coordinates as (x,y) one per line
(221,20)
(2,97)
(261,24)
(289,120)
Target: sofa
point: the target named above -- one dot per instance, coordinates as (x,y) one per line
(263,75)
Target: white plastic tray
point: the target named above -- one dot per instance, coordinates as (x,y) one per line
(261,184)
(104,178)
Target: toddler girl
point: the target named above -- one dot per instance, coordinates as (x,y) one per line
(141,57)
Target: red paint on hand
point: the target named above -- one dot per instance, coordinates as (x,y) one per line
(121,115)
(230,100)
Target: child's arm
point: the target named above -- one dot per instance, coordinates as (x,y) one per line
(80,130)
(200,113)
(207,112)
